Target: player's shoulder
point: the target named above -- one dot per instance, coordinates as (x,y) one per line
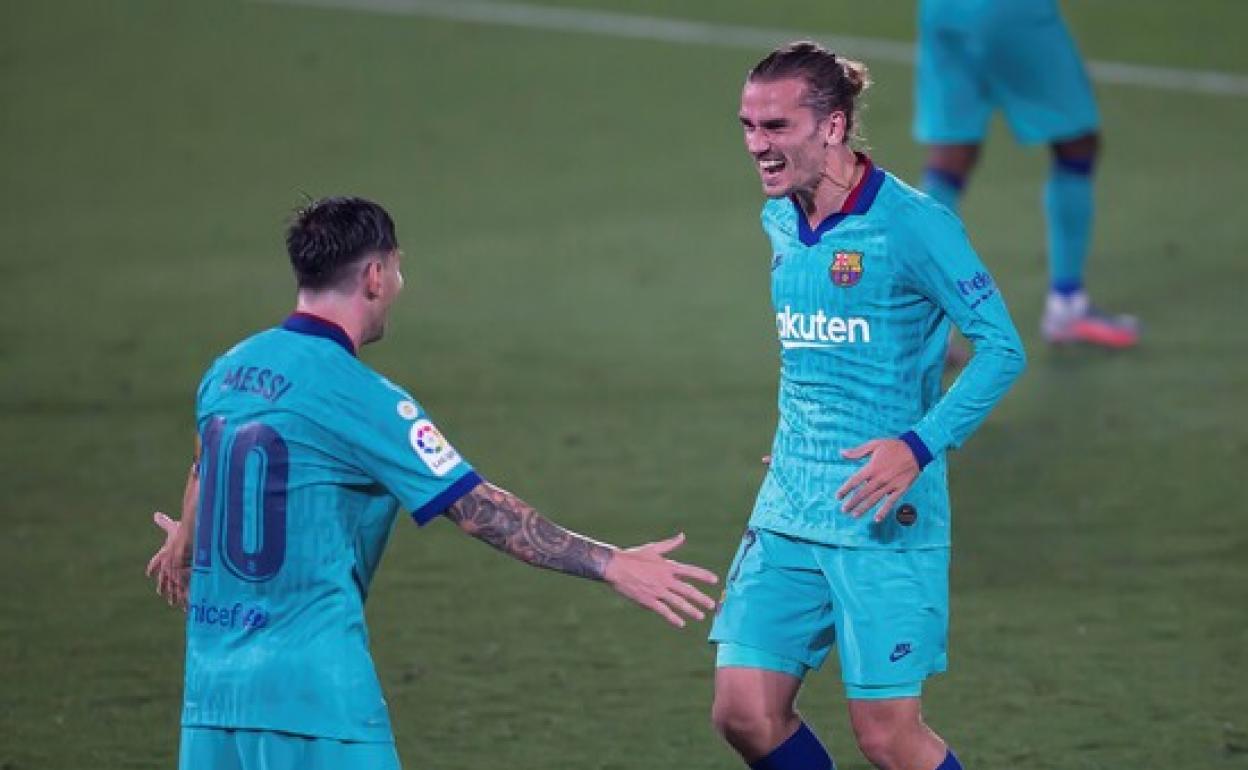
(910,212)
(778,217)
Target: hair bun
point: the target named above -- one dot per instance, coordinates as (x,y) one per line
(856,74)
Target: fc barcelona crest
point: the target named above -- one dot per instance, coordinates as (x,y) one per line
(846,269)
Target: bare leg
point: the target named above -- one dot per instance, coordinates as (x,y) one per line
(755,709)
(892,735)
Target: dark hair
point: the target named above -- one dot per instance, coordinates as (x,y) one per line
(327,236)
(833,83)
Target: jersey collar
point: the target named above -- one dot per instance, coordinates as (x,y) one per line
(314,325)
(858,201)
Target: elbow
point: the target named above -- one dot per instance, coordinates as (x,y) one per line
(1017,358)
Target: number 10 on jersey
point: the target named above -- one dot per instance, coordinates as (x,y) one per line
(243,476)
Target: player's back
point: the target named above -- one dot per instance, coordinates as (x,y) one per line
(291,524)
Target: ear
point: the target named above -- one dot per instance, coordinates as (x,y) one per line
(836,128)
(372,278)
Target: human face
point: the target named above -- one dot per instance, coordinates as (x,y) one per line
(385,281)
(788,144)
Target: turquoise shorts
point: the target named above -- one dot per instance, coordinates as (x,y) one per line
(213,748)
(788,602)
(1011,56)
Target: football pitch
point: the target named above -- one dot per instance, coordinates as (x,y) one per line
(587,316)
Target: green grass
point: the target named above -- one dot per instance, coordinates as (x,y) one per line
(587,315)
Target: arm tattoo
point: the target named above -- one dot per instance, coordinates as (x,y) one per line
(506,522)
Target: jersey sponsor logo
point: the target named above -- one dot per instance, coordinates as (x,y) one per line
(432,448)
(846,268)
(227,616)
(407,410)
(900,651)
(977,288)
(819,330)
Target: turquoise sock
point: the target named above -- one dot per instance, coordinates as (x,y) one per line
(944,187)
(1068,209)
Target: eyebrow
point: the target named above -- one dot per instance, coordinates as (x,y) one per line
(769,123)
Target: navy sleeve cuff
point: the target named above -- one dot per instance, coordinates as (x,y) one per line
(446,498)
(922,454)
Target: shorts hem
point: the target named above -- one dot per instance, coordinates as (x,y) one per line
(734,655)
(883,692)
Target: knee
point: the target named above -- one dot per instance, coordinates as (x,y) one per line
(876,744)
(1080,148)
(882,742)
(748,727)
(956,159)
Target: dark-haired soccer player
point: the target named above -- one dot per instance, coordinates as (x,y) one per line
(848,543)
(975,56)
(305,455)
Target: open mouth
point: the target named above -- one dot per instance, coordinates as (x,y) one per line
(770,168)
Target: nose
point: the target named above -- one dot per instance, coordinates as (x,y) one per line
(756,142)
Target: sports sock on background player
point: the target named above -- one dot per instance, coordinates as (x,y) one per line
(1068,209)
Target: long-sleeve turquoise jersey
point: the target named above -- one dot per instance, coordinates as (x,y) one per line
(863,305)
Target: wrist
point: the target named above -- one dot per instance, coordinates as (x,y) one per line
(610,565)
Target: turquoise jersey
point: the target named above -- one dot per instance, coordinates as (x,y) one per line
(863,304)
(307,455)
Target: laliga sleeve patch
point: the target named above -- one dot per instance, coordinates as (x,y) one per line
(432,449)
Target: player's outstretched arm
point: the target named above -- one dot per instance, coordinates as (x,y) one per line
(643,574)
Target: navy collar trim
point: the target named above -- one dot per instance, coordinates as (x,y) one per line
(858,202)
(314,325)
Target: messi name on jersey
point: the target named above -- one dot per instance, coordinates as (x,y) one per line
(818,329)
(265,383)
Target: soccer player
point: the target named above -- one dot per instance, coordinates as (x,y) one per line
(848,543)
(977,55)
(305,455)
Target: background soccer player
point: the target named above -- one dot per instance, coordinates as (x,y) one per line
(977,55)
(848,543)
(305,456)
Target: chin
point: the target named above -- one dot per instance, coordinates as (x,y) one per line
(777,191)
(373,335)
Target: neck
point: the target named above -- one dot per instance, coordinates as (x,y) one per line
(841,173)
(331,307)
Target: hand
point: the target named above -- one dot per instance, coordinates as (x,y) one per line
(660,584)
(886,476)
(170,566)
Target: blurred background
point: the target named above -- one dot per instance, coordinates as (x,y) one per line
(587,315)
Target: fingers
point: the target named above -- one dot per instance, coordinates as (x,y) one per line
(668,545)
(860,451)
(766,460)
(865,498)
(694,595)
(862,476)
(664,612)
(680,569)
(164,522)
(682,605)
(886,507)
(154,563)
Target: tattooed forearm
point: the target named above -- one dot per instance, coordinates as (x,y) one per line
(509,524)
